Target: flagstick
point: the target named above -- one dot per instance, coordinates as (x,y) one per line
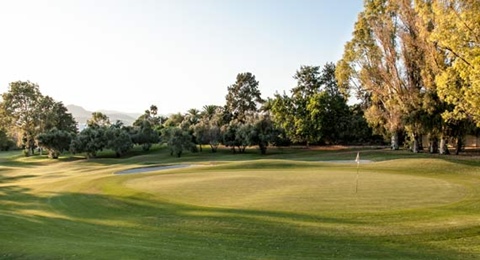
(357,160)
(356,181)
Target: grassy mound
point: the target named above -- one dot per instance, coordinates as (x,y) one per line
(300,190)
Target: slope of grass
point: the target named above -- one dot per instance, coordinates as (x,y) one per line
(286,205)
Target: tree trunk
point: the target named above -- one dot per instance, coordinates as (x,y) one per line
(415,143)
(433,145)
(53,154)
(444,146)
(394,141)
(214,148)
(32,145)
(420,142)
(459,145)
(263,149)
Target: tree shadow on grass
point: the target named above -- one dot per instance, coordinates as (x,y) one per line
(9,179)
(16,163)
(467,161)
(61,225)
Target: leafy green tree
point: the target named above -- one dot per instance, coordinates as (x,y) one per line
(308,84)
(229,135)
(174,120)
(93,139)
(209,111)
(190,119)
(145,135)
(316,111)
(359,131)
(262,132)
(55,141)
(20,109)
(207,130)
(151,115)
(322,115)
(290,112)
(118,140)
(98,119)
(257,130)
(6,141)
(193,116)
(243,96)
(90,141)
(145,128)
(282,111)
(177,140)
(55,115)
(243,136)
(328,110)
(27,113)
(208,133)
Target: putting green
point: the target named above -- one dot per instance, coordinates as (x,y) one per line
(305,190)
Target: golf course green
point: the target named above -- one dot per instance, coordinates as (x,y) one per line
(289,204)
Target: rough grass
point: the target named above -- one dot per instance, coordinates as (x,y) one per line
(285,205)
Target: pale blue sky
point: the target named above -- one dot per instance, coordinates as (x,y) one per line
(128,54)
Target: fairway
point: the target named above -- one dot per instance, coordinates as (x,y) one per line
(289,205)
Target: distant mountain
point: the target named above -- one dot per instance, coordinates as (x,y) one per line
(81,115)
(112,112)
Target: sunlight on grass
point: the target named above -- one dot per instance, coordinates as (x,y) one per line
(306,191)
(41,213)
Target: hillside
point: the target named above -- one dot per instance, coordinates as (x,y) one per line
(81,115)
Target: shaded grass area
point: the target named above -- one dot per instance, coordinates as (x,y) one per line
(79,209)
(139,228)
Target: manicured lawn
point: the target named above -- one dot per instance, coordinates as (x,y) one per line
(286,205)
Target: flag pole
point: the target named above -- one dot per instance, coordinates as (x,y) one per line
(357,160)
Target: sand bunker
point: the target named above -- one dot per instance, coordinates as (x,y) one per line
(153,168)
(348,161)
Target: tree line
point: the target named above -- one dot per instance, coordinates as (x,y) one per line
(315,112)
(412,64)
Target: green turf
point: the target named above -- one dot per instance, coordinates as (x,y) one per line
(286,205)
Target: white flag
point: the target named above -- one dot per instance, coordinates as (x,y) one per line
(357,160)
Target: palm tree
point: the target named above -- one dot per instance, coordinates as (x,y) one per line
(209,111)
(193,115)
